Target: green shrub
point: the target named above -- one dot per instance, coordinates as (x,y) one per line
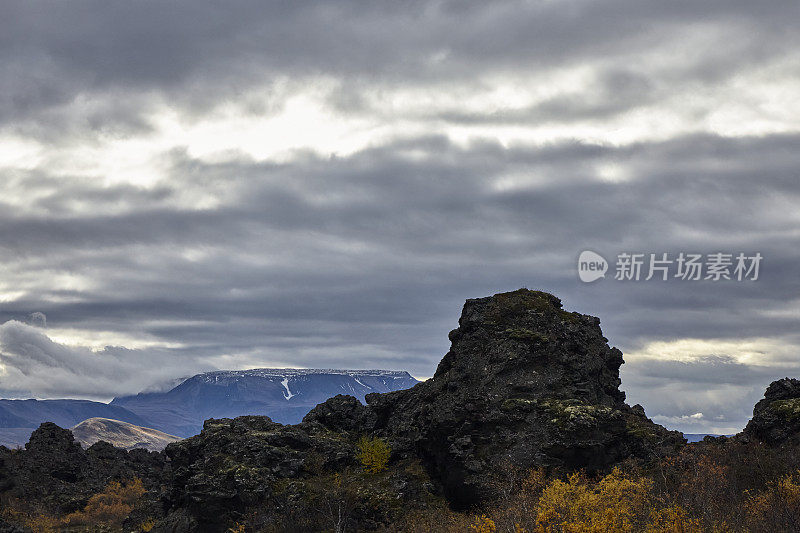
(373,453)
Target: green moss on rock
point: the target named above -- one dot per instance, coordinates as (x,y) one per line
(516,303)
(788,409)
(518,404)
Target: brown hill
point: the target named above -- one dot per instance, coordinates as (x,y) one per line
(121,434)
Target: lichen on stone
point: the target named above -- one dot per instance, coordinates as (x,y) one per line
(789,409)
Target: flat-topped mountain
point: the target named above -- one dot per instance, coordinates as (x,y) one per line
(283,394)
(121,434)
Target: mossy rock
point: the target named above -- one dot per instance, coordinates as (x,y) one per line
(572,414)
(570,316)
(637,428)
(518,404)
(788,409)
(516,303)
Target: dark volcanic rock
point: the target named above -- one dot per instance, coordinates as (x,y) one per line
(235,465)
(525,382)
(776,418)
(340,413)
(54,471)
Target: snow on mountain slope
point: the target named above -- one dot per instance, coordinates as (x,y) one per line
(283,394)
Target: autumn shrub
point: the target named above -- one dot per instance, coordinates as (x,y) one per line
(109,507)
(777,508)
(437,518)
(373,453)
(29,516)
(483,524)
(615,503)
(674,519)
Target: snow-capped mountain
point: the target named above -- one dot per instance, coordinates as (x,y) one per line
(283,394)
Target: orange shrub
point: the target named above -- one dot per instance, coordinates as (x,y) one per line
(109,507)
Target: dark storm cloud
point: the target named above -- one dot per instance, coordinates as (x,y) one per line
(364,260)
(91,66)
(365,241)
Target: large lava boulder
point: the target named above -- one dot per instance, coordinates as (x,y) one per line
(524,383)
(776,418)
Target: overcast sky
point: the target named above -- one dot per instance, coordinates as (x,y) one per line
(197,185)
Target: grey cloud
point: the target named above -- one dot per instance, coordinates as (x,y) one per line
(719,387)
(126,57)
(35,365)
(344,247)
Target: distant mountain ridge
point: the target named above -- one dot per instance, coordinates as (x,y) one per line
(65,413)
(18,418)
(283,394)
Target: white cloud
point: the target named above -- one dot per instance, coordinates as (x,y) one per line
(31,363)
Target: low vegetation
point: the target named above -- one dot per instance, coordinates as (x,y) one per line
(720,485)
(105,511)
(373,453)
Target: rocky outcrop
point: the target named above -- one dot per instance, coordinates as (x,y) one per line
(54,471)
(525,383)
(288,472)
(776,418)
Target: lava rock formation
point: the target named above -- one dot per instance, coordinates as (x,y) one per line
(524,383)
(776,418)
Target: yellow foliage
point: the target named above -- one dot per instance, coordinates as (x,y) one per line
(109,507)
(672,519)
(483,524)
(238,528)
(373,453)
(615,503)
(39,522)
(777,506)
(147,525)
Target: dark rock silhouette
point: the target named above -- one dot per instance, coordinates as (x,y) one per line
(776,418)
(55,471)
(524,382)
